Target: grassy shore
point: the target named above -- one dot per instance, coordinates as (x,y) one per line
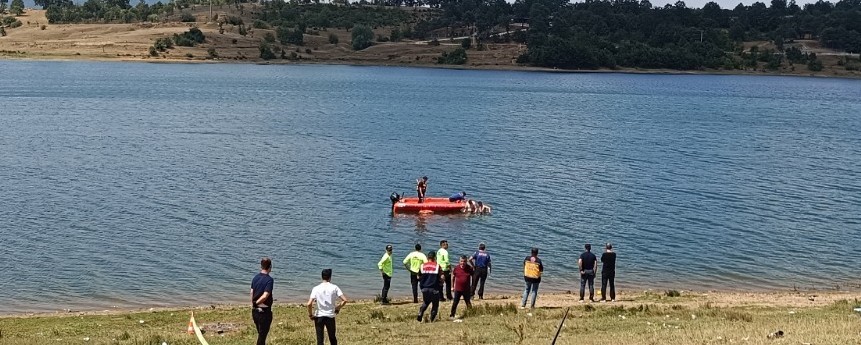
(637,318)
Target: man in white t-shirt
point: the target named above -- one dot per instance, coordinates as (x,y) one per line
(326,295)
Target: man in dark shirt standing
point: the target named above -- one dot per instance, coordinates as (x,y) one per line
(588,263)
(608,273)
(261,300)
(481,261)
(431,284)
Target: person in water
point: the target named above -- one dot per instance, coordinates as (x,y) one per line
(422,188)
(470,207)
(457,197)
(482,208)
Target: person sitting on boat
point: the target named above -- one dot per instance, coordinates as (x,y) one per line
(457,197)
(422,187)
(482,208)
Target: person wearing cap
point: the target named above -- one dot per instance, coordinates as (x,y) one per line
(587,263)
(325,296)
(413,262)
(385,266)
(431,285)
(608,273)
(261,300)
(532,270)
(445,267)
(422,187)
(462,279)
(481,261)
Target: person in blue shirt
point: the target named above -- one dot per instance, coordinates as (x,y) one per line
(587,263)
(460,196)
(261,300)
(481,261)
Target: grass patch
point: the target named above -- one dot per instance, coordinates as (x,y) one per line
(490,309)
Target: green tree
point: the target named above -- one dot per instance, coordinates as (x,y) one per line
(266,52)
(456,57)
(466,43)
(17,7)
(362,37)
(3,6)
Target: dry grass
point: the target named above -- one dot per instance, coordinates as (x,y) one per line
(640,319)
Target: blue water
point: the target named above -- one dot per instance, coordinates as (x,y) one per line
(137,185)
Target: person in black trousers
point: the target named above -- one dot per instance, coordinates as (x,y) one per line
(261,300)
(587,263)
(608,273)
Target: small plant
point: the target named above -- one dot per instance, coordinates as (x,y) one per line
(378,315)
(211,53)
(673,293)
(269,37)
(466,43)
(43,27)
(153,51)
(333,39)
(189,55)
(434,42)
(186,17)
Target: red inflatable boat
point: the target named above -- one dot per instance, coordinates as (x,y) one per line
(430,205)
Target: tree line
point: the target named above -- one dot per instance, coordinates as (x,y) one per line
(590,34)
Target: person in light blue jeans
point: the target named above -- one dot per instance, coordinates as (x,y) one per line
(532,269)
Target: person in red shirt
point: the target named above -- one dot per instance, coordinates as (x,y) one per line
(462,274)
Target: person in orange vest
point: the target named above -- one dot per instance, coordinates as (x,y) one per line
(431,284)
(532,270)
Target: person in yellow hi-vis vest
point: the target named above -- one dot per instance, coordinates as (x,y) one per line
(532,269)
(413,262)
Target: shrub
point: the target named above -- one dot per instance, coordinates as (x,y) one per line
(242,30)
(186,17)
(234,41)
(395,36)
(381,38)
(466,43)
(333,39)
(814,64)
(673,293)
(433,42)
(259,24)
(211,53)
(287,36)
(456,57)
(189,38)
(43,27)
(234,20)
(307,50)
(189,55)
(362,37)
(162,44)
(153,51)
(269,37)
(2,31)
(266,52)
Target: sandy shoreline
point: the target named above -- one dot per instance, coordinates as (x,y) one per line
(549,299)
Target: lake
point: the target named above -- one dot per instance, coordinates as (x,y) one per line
(130,185)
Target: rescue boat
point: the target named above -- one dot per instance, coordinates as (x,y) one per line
(429,205)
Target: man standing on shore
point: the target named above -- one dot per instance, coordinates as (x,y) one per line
(261,300)
(588,263)
(385,266)
(481,261)
(326,295)
(413,262)
(445,266)
(462,277)
(608,273)
(532,269)
(431,286)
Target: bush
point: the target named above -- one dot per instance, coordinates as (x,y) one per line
(234,20)
(814,64)
(456,57)
(242,30)
(466,43)
(43,27)
(333,39)
(266,52)
(362,37)
(234,41)
(395,36)
(211,53)
(186,17)
(434,42)
(673,293)
(2,31)
(381,38)
(162,44)
(269,37)
(189,38)
(259,24)
(153,51)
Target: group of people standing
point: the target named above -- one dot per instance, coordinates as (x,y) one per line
(436,278)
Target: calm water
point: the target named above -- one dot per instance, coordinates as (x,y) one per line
(137,185)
